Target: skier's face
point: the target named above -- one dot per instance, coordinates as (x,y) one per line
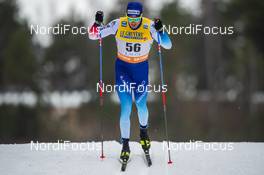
(134,22)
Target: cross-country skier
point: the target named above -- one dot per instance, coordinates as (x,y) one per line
(134,36)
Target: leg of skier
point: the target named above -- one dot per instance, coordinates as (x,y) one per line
(122,78)
(126,106)
(143,114)
(140,76)
(142,109)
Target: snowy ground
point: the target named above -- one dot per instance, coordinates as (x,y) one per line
(237,159)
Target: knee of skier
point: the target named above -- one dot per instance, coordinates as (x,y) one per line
(143,116)
(142,111)
(141,107)
(126,108)
(141,102)
(125,118)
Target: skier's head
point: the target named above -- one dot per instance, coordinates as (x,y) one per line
(134,14)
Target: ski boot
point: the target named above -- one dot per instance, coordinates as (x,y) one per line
(145,144)
(144,140)
(125,153)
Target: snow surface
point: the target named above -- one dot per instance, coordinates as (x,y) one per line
(24,159)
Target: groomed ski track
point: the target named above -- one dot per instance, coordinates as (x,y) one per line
(21,159)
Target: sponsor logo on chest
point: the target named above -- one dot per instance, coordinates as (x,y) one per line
(132,35)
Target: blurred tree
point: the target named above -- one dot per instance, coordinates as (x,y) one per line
(246,48)
(18,65)
(213,62)
(8,25)
(185,59)
(18,72)
(250,15)
(70,61)
(18,124)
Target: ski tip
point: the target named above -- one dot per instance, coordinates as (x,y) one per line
(123,168)
(169,162)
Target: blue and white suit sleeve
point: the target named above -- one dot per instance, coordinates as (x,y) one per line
(106,30)
(165,41)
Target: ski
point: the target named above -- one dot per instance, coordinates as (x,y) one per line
(148,159)
(124,165)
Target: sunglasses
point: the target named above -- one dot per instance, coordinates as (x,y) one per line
(134,19)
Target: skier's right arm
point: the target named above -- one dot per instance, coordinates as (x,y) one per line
(109,29)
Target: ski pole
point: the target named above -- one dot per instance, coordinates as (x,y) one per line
(101,93)
(164,100)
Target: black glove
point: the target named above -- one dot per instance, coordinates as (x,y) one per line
(158,24)
(99,17)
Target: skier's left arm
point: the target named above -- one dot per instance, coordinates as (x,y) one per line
(157,28)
